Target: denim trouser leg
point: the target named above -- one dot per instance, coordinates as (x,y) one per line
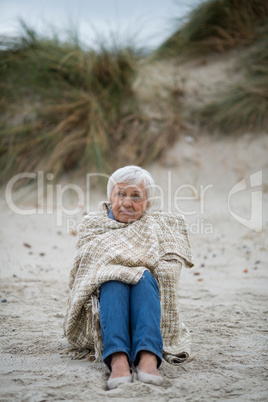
(130,318)
(145,318)
(114,319)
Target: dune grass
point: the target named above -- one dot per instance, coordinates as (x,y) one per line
(216,26)
(242,107)
(64,108)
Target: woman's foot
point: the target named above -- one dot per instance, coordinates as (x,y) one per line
(120,371)
(148,363)
(147,370)
(119,365)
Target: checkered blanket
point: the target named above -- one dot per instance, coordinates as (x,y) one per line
(111,250)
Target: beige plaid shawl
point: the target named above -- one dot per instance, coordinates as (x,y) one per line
(111,250)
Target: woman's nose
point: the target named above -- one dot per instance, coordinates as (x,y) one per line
(127,201)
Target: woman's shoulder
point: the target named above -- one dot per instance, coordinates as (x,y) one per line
(101,212)
(92,215)
(166,216)
(91,218)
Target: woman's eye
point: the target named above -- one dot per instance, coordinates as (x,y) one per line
(136,197)
(120,194)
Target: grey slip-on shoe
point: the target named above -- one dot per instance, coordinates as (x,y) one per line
(115,382)
(149,378)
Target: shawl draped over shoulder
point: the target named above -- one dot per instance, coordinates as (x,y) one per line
(111,250)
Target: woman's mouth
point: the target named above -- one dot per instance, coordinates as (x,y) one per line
(125,212)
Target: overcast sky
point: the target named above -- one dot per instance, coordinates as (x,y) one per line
(151,21)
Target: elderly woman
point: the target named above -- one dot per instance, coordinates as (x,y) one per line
(122,306)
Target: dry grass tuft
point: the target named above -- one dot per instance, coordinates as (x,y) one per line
(244,106)
(64,108)
(216,26)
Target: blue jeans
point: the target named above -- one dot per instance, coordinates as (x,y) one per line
(130,318)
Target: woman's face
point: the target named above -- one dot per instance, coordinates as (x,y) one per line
(128,202)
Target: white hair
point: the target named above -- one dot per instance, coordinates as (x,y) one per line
(132,175)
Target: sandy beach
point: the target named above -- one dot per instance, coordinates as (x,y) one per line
(223,299)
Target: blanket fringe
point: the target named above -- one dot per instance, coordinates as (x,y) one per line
(76,354)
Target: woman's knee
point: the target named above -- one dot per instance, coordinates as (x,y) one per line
(114,289)
(149,280)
